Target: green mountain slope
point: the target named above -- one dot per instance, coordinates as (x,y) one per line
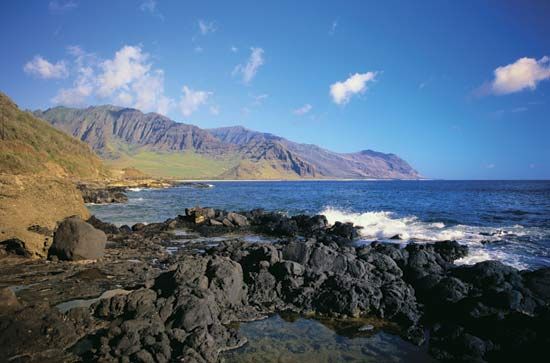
(126,137)
(32,146)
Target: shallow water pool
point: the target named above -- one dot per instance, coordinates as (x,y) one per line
(282,340)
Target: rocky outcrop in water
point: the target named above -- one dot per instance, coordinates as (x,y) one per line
(103,195)
(183,316)
(485,312)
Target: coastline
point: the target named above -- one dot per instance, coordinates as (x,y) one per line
(291,180)
(175,284)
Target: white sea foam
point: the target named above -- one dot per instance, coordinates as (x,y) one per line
(135,189)
(479,254)
(383,225)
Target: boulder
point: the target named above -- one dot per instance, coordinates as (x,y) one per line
(226,222)
(104,226)
(539,282)
(8,300)
(138,227)
(489,275)
(309,226)
(276,224)
(226,280)
(450,250)
(75,239)
(345,230)
(237,219)
(200,215)
(125,229)
(288,269)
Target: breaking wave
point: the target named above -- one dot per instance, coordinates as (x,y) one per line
(387,226)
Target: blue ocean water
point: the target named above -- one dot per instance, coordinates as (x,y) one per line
(504,220)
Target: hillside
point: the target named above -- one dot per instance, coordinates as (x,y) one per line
(320,162)
(111,131)
(37,165)
(31,146)
(153,143)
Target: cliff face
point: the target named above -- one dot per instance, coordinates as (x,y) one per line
(320,162)
(31,206)
(105,127)
(37,166)
(131,138)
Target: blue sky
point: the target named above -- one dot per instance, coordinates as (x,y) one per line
(460,89)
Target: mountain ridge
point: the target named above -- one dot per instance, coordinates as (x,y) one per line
(129,137)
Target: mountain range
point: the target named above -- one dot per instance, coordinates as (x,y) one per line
(126,137)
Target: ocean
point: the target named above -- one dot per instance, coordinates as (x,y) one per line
(503,220)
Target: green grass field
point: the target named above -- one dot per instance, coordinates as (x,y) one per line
(181,165)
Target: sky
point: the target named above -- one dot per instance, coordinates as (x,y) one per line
(459,89)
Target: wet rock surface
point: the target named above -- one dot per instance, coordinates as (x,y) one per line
(103,195)
(187,287)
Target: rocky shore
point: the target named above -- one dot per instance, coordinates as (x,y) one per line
(103,195)
(173,290)
(116,192)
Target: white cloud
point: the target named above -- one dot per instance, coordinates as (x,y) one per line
(342,92)
(149,93)
(150,6)
(192,100)
(215,110)
(82,88)
(519,109)
(259,99)
(75,51)
(198,49)
(128,65)
(523,74)
(234,49)
(40,67)
(125,80)
(333,27)
(84,84)
(124,99)
(61,6)
(206,27)
(249,70)
(303,110)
